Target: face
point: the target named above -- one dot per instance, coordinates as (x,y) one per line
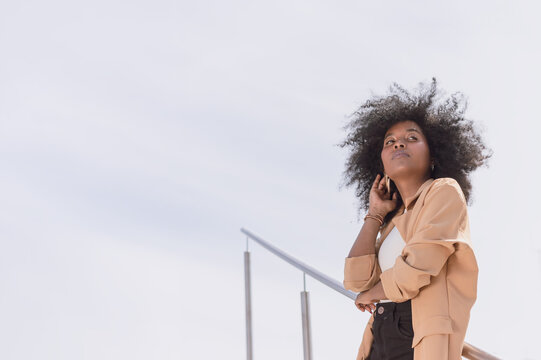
(405,151)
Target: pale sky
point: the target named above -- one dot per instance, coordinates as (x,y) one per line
(138,137)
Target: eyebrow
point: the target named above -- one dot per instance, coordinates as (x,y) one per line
(412,129)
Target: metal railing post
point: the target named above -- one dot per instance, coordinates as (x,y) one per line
(306,331)
(248,301)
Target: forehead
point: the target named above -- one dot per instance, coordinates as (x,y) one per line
(403,126)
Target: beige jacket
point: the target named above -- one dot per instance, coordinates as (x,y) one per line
(437,270)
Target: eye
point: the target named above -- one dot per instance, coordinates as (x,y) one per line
(414,137)
(388,141)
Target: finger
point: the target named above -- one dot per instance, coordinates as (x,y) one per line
(382,183)
(376,181)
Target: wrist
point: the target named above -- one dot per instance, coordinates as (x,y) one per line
(376,213)
(376,217)
(379,291)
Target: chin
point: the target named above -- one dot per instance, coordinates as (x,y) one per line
(405,172)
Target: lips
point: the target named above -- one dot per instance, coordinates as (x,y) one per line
(400,153)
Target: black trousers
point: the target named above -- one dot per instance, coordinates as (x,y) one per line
(393,332)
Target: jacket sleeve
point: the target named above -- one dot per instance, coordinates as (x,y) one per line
(442,221)
(361,272)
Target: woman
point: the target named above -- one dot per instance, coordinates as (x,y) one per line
(410,160)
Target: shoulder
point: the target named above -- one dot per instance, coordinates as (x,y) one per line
(445,189)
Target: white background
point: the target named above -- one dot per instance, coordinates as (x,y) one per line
(137,138)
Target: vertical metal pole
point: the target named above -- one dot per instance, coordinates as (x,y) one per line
(248,301)
(305,309)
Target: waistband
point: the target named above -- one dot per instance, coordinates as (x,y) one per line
(403,307)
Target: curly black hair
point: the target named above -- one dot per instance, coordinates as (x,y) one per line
(454,143)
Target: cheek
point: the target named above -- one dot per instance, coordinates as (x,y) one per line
(421,150)
(384,154)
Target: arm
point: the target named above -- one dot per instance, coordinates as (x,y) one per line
(442,221)
(361,269)
(365,244)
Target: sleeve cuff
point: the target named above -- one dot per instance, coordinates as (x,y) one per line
(359,271)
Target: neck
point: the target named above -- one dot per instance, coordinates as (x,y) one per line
(407,187)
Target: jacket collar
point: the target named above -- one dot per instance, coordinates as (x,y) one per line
(400,219)
(408,201)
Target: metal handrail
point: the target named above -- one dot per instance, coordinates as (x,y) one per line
(316,274)
(469,351)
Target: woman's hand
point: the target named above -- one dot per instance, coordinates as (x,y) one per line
(380,200)
(366,300)
(363,303)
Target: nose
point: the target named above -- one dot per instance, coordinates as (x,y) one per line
(399,144)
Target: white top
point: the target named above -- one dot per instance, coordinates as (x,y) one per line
(390,249)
